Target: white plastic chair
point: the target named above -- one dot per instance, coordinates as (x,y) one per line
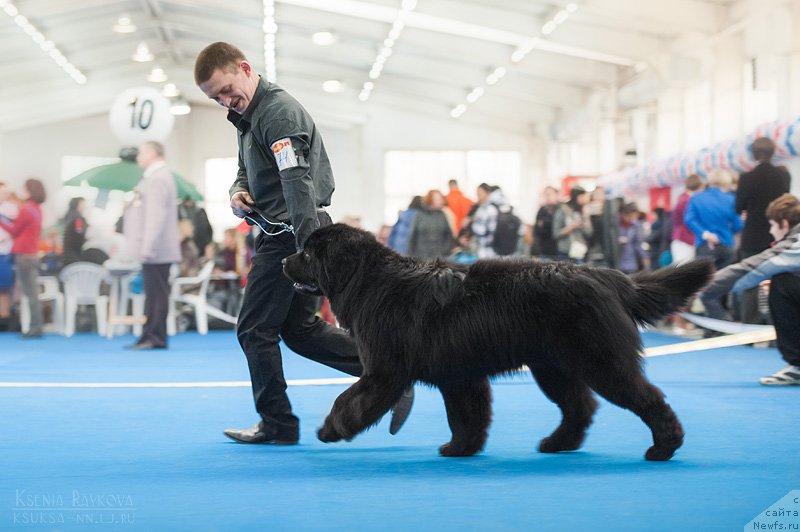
(196,300)
(82,284)
(49,290)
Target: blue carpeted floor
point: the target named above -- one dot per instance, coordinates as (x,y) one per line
(155,459)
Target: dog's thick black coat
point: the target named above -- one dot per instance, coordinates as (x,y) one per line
(452,327)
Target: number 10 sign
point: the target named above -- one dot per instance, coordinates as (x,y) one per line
(140,114)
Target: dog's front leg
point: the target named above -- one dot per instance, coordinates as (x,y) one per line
(360,407)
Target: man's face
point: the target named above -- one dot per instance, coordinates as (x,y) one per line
(145,156)
(778,230)
(232,88)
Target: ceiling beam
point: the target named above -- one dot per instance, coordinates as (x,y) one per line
(364,10)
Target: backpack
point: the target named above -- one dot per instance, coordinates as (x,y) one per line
(506,234)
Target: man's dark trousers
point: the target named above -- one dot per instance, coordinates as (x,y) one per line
(784,306)
(155,278)
(272,310)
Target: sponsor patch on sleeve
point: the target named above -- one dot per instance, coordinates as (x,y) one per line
(284,154)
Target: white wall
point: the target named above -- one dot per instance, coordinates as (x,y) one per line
(356,151)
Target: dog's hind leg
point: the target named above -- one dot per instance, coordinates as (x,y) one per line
(577,405)
(360,406)
(469,412)
(625,385)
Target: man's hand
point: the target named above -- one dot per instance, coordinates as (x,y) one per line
(241,203)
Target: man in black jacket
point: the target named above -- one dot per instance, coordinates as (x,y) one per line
(283,184)
(756,190)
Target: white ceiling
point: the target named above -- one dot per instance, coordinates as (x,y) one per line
(447,48)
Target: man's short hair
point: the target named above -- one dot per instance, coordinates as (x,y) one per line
(694,182)
(452,183)
(157,147)
(216,56)
(785,207)
(763,149)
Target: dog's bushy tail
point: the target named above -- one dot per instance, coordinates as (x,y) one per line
(660,293)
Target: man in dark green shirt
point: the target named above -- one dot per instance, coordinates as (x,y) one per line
(283,184)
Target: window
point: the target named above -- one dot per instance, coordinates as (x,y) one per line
(220,174)
(414,173)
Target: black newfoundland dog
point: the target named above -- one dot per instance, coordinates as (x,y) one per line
(454,326)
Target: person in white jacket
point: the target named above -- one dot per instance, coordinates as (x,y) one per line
(151,229)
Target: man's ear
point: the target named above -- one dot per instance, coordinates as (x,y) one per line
(785,225)
(245,66)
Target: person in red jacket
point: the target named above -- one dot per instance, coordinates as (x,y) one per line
(25,230)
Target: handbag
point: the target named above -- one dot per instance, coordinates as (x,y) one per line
(577,250)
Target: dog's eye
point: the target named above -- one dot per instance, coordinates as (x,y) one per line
(306,256)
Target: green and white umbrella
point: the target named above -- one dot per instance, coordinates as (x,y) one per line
(124,176)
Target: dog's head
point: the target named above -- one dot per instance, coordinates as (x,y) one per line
(331,258)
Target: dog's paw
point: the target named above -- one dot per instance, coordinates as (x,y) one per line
(659,454)
(328,434)
(557,445)
(450,449)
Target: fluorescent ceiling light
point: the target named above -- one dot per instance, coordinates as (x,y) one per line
(124,25)
(180,107)
(157,75)
(324,38)
(170,90)
(143,53)
(332,86)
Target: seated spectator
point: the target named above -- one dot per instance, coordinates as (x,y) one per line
(190,257)
(75,227)
(780,264)
(784,223)
(683,241)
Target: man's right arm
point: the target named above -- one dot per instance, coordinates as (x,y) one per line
(240,192)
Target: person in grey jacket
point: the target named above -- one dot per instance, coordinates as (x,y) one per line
(283,183)
(151,229)
(781,264)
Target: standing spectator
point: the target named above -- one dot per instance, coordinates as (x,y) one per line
(151,225)
(74,231)
(659,239)
(398,238)
(632,256)
(431,234)
(571,229)
(26,230)
(683,241)
(712,219)
(756,190)
(544,245)
(491,201)
(8,213)
(458,203)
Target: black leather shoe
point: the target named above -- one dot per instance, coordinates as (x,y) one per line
(263,433)
(401,410)
(144,345)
